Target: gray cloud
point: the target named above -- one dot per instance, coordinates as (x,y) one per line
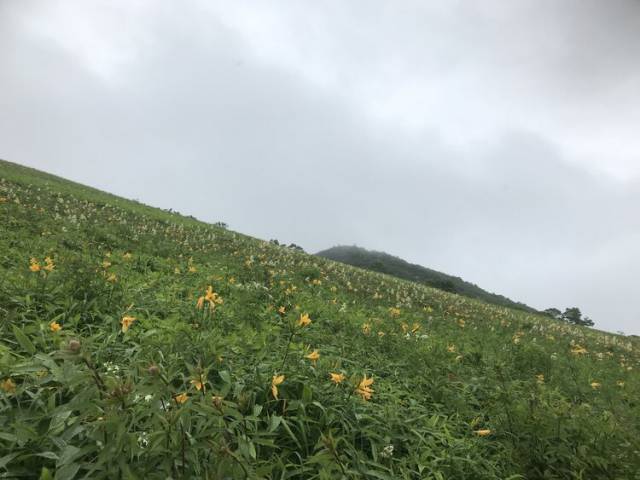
(449,135)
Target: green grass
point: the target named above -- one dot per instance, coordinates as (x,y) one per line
(93,401)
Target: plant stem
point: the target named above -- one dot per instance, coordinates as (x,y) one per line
(286,352)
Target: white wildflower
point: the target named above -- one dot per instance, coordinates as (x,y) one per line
(387,452)
(143,439)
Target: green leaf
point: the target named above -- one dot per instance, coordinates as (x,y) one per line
(45,474)
(224,375)
(274,422)
(67,472)
(288,429)
(9,437)
(49,455)
(69,454)
(23,340)
(307,394)
(57,421)
(7,458)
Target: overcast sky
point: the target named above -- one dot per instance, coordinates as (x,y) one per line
(498,141)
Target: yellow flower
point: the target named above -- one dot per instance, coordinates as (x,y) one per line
(55,327)
(126,256)
(394,312)
(210,296)
(49,264)
(183,397)
(8,386)
(275,381)
(34,265)
(381,333)
(540,378)
(366,328)
(106,264)
(595,385)
(483,433)
(364,388)
(281,310)
(578,350)
(198,384)
(620,383)
(451,348)
(405,328)
(111,278)
(313,356)
(304,320)
(192,269)
(415,328)
(461,323)
(126,322)
(337,378)
(217,401)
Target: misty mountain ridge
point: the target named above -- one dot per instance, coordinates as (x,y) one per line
(385,263)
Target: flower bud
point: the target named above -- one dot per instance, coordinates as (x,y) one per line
(74,345)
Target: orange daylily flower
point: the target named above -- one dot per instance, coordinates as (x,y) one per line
(126,322)
(198,384)
(313,356)
(210,296)
(8,386)
(304,320)
(364,388)
(34,265)
(275,381)
(183,397)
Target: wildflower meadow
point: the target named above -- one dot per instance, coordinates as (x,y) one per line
(140,344)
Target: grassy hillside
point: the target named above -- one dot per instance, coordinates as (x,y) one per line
(385,263)
(137,343)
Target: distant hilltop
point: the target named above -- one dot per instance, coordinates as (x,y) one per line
(384,263)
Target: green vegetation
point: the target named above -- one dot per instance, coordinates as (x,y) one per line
(385,263)
(571,315)
(138,343)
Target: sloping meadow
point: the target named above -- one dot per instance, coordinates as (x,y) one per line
(138,343)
